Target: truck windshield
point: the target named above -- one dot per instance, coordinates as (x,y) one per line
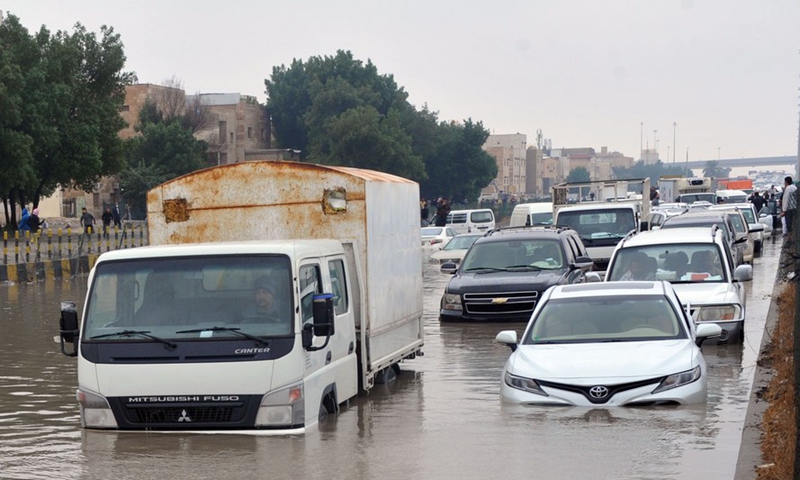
(204,298)
(593,225)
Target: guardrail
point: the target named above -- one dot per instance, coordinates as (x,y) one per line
(65,243)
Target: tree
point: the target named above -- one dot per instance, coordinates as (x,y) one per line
(61,123)
(165,149)
(653,171)
(714,169)
(579,174)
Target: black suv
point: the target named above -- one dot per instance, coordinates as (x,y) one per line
(505,272)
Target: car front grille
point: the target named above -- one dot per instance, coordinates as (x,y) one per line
(502,303)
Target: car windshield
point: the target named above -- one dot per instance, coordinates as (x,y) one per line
(461,242)
(545,218)
(431,231)
(675,263)
(749,215)
(599,224)
(528,254)
(605,319)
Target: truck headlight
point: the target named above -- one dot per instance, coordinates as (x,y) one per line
(452,302)
(95,410)
(525,384)
(679,379)
(284,407)
(716,313)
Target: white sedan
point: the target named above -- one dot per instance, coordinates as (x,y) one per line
(456,248)
(436,237)
(607,344)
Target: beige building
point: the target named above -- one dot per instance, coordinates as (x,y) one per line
(509,152)
(544,171)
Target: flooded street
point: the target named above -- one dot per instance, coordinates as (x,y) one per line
(441,419)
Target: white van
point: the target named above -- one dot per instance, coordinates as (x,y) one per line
(471,221)
(524,214)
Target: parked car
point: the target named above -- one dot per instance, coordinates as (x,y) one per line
(505,272)
(436,237)
(455,249)
(610,344)
(699,264)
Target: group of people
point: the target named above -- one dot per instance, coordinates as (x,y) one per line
(442,205)
(30,221)
(87,220)
(787,199)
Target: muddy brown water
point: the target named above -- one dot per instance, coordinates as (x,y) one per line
(441,419)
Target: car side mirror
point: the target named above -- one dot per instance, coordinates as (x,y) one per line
(321,325)
(756,227)
(508,338)
(707,330)
(593,277)
(743,273)
(70,330)
(449,268)
(582,262)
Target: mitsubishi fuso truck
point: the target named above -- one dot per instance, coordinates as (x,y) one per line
(269,295)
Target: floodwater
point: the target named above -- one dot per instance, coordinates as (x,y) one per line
(441,419)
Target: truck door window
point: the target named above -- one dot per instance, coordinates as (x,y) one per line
(338,286)
(310,285)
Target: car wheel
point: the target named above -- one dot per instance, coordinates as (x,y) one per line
(758,246)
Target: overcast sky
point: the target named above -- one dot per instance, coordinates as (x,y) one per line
(587,73)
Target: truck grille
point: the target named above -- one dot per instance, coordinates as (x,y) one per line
(184,415)
(501,303)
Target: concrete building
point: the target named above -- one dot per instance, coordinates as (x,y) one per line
(509,151)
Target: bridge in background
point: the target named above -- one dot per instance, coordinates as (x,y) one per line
(789,161)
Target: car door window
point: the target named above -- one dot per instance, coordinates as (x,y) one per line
(310,285)
(338,286)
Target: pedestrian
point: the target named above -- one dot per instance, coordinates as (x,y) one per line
(789,203)
(87,220)
(107,218)
(442,210)
(758,201)
(23,221)
(115,213)
(654,196)
(33,221)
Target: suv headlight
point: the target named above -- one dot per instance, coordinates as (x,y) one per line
(525,384)
(452,301)
(717,313)
(679,379)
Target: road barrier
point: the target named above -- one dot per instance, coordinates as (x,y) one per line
(63,252)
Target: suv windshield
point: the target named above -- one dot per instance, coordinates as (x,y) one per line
(676,263)
(514,254)
(599,224)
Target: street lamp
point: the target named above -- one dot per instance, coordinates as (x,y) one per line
(674,129)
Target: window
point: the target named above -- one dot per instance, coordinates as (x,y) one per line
(249,132)
(338,286)
(310,285)
(223,131)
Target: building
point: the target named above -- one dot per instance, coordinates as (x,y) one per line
(509,152)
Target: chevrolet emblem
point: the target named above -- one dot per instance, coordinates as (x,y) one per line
(499,300)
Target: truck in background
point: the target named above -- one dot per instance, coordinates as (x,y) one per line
(602,224)
(696,189)
(172,337)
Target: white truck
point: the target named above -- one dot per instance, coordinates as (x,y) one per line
(178,336)
(602,224)
(696,189)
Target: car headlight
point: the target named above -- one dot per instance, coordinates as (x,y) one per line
(452,301)
(284,407)
(679,379)
(525,384)
(716,313)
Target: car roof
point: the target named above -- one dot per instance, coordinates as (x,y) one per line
(670,236)
(731,193)
(608,289)
(693,216)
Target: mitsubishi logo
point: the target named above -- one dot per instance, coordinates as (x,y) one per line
(499,300)
(598,392)
(184,417)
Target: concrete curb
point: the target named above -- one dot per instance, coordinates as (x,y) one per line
(33,271)
(750,447)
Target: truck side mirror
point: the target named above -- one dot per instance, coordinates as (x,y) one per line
(70,331)
(321,324)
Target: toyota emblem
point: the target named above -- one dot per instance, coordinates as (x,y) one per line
(598,392)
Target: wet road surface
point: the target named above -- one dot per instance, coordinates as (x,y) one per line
(441,419)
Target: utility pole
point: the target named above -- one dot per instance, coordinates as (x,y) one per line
(641,139)
(674,130)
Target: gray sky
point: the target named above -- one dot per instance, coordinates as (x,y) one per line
(588,73)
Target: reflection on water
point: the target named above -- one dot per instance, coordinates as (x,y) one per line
(442,418)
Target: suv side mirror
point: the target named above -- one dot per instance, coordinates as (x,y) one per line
(582,262)
(449,268)
(743,273)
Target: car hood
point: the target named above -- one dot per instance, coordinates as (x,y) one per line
(706,293)
(614,362)
(505,281)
